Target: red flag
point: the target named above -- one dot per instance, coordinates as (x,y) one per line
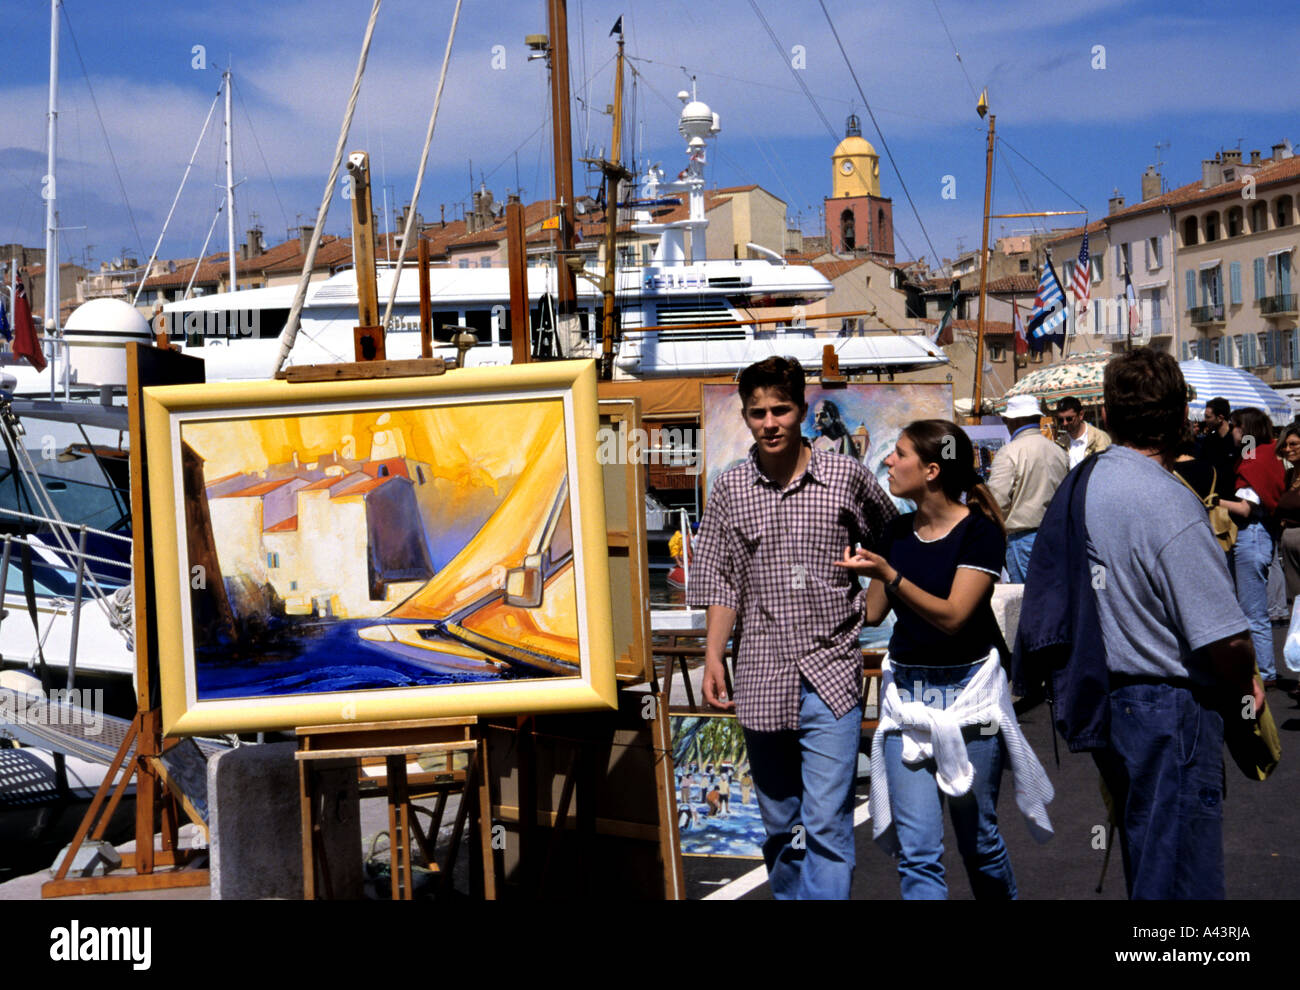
(1022,342)
(26,343)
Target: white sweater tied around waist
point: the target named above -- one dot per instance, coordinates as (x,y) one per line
(936,733)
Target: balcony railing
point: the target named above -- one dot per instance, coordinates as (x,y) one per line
(1281,305)
(1207,314)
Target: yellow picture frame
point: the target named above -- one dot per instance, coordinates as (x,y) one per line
(556,595)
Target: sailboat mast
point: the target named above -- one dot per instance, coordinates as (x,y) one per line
(977,398)
(558,25)
(51,214)
(614,172)
(230,184)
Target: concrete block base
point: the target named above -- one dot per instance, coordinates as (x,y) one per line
(255,824)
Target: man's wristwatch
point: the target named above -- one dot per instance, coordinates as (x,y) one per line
(893,585)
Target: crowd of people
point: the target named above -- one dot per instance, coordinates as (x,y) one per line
(1143,628)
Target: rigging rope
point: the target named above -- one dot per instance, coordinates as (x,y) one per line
(802,85)
(419,175)
(203,253)
(954,50)
(176,199)
(290,330)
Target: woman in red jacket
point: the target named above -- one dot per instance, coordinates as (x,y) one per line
(1260,483)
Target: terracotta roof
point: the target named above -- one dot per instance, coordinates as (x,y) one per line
(363,487)
(1065,235)
(333,250)
(270,257)
(834,269)
(1269,173)
(1013,284)
(257,490)
(396,466)
(210,271)
(283,526)
(326,482)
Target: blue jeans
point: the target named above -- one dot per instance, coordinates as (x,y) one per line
(917,804)
(1019,546)
(1164,771)
(804,780)
(1254,556)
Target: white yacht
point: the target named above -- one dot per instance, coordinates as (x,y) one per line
(680,314)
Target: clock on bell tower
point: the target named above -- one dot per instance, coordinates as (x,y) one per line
(858,219)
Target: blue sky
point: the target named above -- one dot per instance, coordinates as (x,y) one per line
(1198,76)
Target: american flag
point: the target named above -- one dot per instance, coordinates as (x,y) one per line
(1082,282)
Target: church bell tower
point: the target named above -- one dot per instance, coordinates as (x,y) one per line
(859,221)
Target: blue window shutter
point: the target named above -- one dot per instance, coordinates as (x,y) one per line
(1259,278)
(1234,274)
(1284,274)
(1191,290)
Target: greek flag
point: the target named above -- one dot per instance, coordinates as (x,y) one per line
(1047,321)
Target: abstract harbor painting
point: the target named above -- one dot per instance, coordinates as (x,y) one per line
(717,805)
(391,549)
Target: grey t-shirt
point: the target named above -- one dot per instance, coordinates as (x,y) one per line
(1163,589)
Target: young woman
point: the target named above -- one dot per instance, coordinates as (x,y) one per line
(936,572)
(1260,483)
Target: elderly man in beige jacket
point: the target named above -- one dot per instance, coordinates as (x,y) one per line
(1023,479)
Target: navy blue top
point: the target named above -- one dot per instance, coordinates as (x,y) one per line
(932,565)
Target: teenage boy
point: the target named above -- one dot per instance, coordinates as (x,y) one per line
(764,568)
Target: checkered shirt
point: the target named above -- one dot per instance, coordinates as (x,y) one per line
(769,554)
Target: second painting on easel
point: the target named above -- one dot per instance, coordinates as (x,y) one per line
(717,805)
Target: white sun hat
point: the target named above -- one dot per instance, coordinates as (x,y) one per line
(1022,407)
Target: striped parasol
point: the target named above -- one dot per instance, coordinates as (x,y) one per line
(1240,388)
(1078,375)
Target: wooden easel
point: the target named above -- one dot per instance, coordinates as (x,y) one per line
(155,789)
(394,742)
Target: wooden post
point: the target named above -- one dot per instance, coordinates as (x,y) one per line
(369,335)
(521,334)
(562,146)
(426,305)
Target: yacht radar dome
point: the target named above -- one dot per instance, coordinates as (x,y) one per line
(97,333)
(697,122)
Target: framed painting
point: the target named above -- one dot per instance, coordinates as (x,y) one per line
(379,550)
(862,420)
(717,805)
